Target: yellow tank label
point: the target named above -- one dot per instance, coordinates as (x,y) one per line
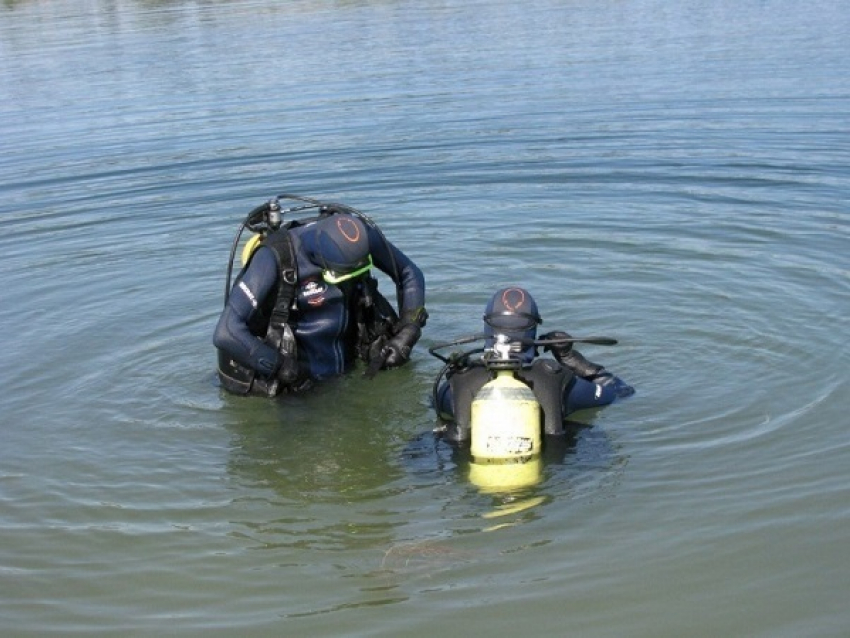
(508,445)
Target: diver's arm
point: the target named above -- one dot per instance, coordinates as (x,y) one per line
(610,380)
(569,357)
(581,394)
(232,334)
(444,407)
(410,283)
(405,274)
(575,361)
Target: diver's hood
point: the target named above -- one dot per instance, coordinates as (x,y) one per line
(512,312)
(340,244)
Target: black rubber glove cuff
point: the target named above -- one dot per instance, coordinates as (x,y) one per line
(418,316)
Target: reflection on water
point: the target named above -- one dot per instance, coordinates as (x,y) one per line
(312,454)
(415,523)
(379,477)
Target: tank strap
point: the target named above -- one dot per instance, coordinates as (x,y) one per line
(465,384)
(548,379)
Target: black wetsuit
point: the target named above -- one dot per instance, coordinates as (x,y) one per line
(322,317)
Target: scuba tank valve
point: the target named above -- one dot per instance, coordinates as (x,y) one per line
(274,215)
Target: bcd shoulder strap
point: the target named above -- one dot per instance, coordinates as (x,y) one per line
(279,333)
(281,244)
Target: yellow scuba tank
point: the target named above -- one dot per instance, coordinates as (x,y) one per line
(506,427)
(505,420)
(506,436)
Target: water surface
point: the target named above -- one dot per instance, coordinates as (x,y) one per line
(675,176)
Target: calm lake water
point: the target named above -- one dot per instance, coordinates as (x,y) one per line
(674,175)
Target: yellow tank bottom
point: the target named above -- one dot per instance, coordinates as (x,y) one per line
(506,475)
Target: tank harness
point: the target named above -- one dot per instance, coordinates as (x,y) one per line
(547,379)
(374,317)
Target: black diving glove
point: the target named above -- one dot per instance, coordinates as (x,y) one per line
(569,358)
(407,333)
(398,348)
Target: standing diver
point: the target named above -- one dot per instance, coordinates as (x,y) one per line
(305,305)
(562,385)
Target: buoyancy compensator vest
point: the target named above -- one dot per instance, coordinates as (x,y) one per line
(547,379)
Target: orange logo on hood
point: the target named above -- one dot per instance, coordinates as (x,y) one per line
(349,229)
(513,305)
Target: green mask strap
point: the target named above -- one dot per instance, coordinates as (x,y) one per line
(332,277)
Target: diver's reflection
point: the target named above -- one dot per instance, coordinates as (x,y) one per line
(310,468)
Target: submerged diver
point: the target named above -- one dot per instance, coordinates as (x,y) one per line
(305,305)
(562,385)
